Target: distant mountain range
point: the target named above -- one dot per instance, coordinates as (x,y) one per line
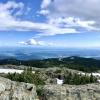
(25,53)
(73,62)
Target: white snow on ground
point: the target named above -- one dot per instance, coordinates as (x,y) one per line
(94,74)
(60,82)
(11,71)
(98,81)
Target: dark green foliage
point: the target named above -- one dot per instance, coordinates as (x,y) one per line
(27,76)
(78,63)
(76,79)
(39,90)
(69,78)
(58,71)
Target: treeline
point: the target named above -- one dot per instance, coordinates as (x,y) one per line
(69,78)
(77,63)
(26,76)
(76,79)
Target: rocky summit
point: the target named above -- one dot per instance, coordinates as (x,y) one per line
(72,92)
(10,90)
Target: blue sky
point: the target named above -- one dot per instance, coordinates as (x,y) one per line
(50,23)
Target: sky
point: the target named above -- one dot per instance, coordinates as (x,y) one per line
(50,23)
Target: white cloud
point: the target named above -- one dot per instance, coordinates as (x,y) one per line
(29,42)
(10,22)
(56,23)
(73,22)
(35,43)
(45,3)
(86,13)
(56,31)
(43,12)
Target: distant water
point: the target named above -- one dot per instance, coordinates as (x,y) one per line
(27,53)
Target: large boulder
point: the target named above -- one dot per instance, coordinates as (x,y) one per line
(10,90)
(71,92)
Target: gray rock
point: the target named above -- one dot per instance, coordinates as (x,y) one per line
(72,92)
(10,90)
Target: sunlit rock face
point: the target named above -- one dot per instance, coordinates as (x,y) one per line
(10,90)
(69,92)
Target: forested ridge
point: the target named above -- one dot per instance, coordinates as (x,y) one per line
(77,63)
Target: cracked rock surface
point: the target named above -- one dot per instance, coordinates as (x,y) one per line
(72,92)
(10,90)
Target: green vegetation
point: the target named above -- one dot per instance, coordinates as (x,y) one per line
(78,63)
(38,79)
(39,91)
(27,76)
(76,79)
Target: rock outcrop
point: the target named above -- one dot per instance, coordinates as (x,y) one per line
(72,92)
(10,90)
